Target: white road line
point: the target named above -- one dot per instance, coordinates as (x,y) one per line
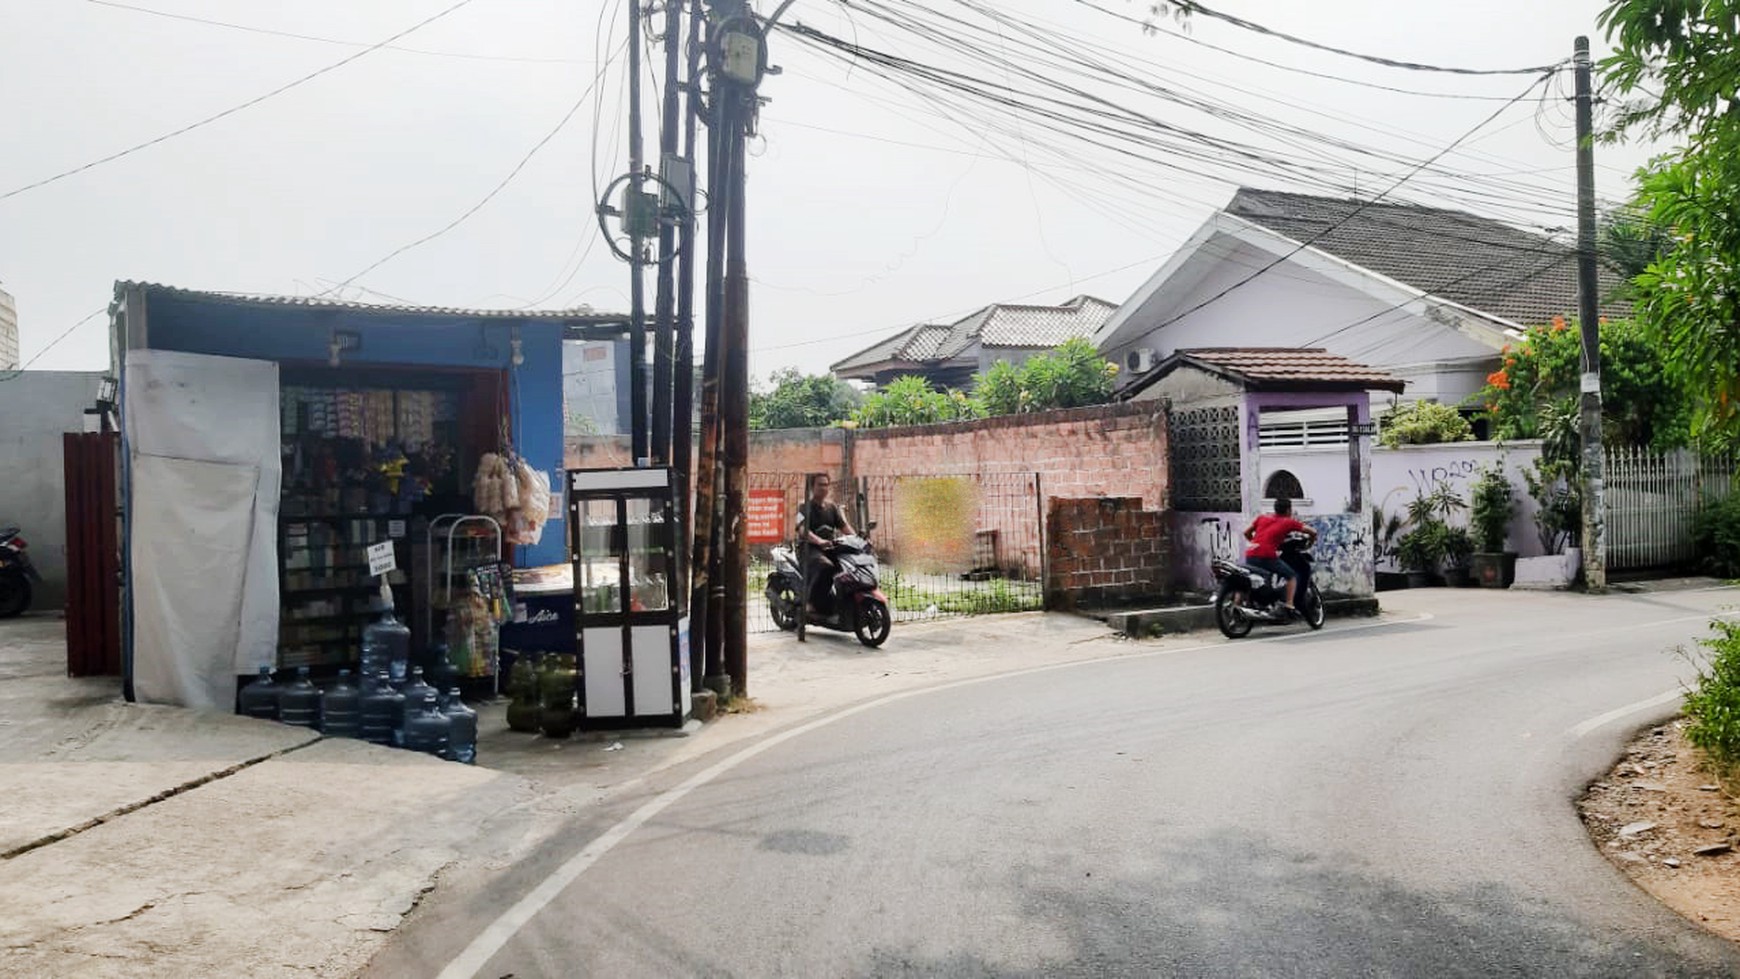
(1620,713)
(496,936)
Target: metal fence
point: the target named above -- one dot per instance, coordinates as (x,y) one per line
(948,545)
(1651,500)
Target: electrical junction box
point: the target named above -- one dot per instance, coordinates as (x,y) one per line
(678,192)
(742,58)
(640,213)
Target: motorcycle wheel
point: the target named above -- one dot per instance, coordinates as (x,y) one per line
(873,623)
(782,605)
(1312,608)
(1226,615)
(14,596)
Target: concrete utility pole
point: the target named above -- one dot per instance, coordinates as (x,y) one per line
(637,283)
(705,600)
(1589,325)
(683,405)
(672,169)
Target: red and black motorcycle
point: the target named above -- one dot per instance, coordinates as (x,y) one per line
(16,573)
(854,602)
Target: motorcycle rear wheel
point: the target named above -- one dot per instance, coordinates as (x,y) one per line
(1233,624)
(783,605)
(14,596)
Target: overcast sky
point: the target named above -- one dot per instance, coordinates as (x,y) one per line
(869,210)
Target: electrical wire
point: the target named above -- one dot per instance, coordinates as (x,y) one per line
(208,120)
(330,40)
(93,314)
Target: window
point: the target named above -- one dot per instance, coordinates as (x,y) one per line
(1283,483)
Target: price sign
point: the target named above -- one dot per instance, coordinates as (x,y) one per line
(381,558)
(766,512)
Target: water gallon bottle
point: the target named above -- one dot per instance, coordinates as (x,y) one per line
(428,730)
(341,709)
(299,701)
(382,711)
(419,694)
(386,642)
(260,698)
(462,738)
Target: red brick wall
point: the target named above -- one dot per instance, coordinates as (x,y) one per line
(798,450)
(1110,450)
(1106,552)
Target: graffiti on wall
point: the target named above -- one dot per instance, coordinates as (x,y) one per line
(1343,554)
(1425,479)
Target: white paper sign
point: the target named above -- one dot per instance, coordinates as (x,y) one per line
(381,559)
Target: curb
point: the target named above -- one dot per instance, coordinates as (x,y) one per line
(1189,618)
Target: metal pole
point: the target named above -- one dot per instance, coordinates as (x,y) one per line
(734,410)
(683,405)
(637,283)
(706,467)
(1589,325)
(664,330)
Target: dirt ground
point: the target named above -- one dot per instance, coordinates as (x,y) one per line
(1664,821)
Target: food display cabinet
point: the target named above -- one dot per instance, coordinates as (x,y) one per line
(631,632)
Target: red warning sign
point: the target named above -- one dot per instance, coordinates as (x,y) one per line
(766,514)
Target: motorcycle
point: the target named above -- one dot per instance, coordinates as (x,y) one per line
(1246,597)
(854,603)
(16,573)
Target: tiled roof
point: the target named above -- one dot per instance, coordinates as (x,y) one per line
(1279,369)
(997,325)
(1480,263)
(579,313)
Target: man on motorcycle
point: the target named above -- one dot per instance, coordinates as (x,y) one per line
(821,520)
(1265,534)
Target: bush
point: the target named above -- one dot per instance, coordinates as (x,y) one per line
(1424,423)
(1491,508)
(1713,705)
(1716,534)
(910,400)
(1072,376)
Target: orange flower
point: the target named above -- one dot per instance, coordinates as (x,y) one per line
(1558,323)
(1505,349)
(1509,362)
(1499,379)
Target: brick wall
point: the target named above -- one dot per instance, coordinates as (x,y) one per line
(1109,450)
(1106,552)
(797,450)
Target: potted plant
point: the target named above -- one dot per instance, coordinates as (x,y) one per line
(1490,510)
(1559,519)
(1420,551)
(1458,547)
(1385,531)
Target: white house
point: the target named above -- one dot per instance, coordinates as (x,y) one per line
(1431,296)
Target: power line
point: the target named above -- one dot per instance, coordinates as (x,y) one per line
(93,314)
(331,40)
(497,189)
(234,109)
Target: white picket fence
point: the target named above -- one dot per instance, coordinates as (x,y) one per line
(1651,499)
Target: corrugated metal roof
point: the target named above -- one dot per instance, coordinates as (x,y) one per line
(577,314)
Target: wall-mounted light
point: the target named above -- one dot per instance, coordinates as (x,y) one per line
(339,342)
(519,353)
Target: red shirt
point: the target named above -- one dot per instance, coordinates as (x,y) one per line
(1267,532)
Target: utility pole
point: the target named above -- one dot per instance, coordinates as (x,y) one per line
(683,404)
(1589,325)
(637,283)
(734,409)
(704,602)
(674,178)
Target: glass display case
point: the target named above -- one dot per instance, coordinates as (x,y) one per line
(630,630)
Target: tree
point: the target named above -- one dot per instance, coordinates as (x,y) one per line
(1677,60)
(1642,402)
(910,400)
(798,400)
(1072,376)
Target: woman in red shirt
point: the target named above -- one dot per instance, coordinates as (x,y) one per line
(1265,534)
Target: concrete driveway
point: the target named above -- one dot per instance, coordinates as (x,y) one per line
(1387,797)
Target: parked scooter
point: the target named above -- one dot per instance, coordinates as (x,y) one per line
(16,573)
(1246,597)
(854,602)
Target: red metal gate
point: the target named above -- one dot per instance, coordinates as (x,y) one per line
(93,596)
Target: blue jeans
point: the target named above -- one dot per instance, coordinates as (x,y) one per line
(1273,565)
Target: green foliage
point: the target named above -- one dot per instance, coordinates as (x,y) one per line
(910,400)
(917,593)
(1558,496)
(1716,535)
(1491,508)
(1713,704)
(1673,74)
(1422,548)
(1072,376)
(1534,393)
(1630,242)
(798,400)
(1458,545)
(1423,423)
(1431,539)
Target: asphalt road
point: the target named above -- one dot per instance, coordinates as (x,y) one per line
(1379,799)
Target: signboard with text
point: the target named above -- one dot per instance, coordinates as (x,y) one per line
(766,513)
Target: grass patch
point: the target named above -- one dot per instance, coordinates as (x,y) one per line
(1713,702)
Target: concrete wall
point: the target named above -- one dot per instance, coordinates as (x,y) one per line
(38,407)
(8,333)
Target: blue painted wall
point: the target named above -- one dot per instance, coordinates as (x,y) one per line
(301,333)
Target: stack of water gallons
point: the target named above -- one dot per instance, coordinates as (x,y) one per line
(394,706)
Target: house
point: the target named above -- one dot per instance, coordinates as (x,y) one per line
(1427,295)
(948,355)
(8,333)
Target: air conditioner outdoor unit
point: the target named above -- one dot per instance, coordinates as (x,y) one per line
(1140,360)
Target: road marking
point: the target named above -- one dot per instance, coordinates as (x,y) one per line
(469,962)
(1619,713)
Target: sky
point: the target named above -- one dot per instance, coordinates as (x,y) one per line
(869,209)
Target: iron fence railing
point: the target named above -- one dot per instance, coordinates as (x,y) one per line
(1651,500)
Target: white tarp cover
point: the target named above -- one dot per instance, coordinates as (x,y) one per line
(202,439)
